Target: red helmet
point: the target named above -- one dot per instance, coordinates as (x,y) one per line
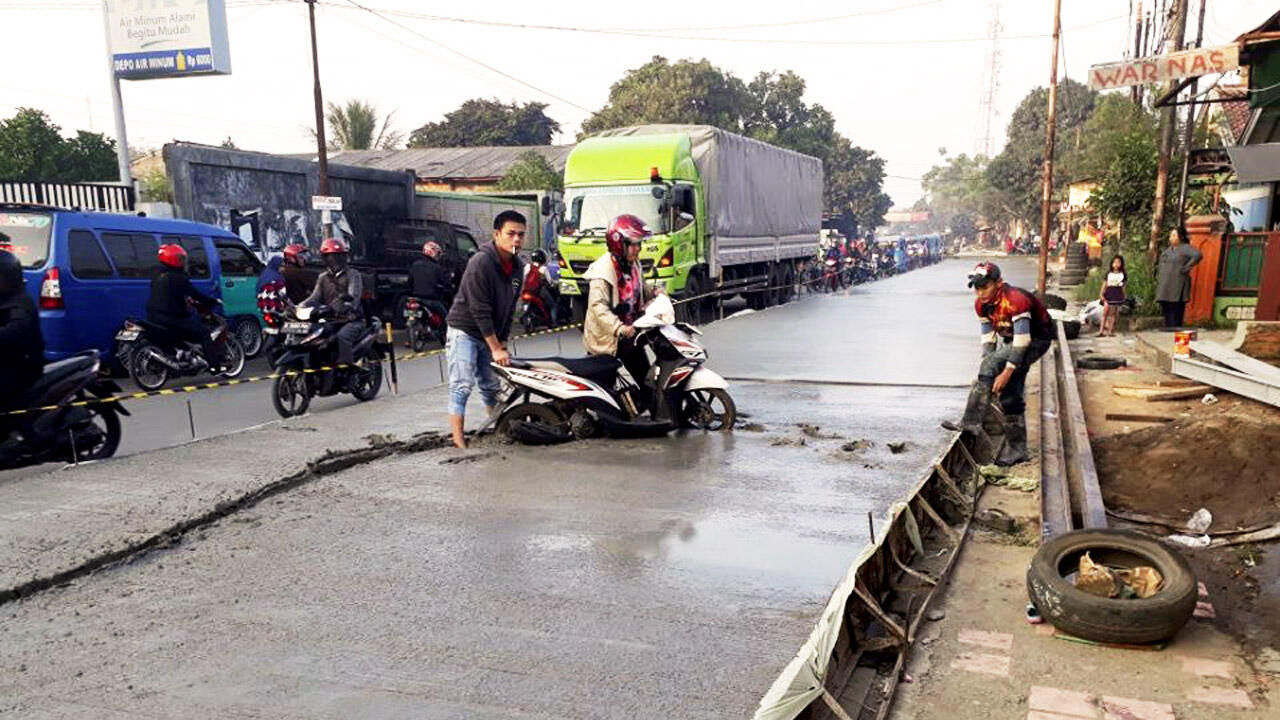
(625,229)
(431,249)
(172,256)
(294,253)
(331,246)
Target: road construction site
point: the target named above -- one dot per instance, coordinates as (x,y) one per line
(347,564)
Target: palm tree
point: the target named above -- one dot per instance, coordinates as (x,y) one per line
(355,126)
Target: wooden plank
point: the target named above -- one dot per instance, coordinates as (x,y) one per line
(1055,499)
(1195,391)
(1075,433)
(1133,417)
(1236,360)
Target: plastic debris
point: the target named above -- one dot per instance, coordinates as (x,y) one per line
(1200,521)
(1033,615)
(1095,579)
(1124,583)
(996,475)
(1139,582)
(1208,399)
(1191,541)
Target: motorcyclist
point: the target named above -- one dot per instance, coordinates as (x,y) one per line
(537,281)
(339,288)
(298,282)
(616,298)
(430,279)
(21,344)
(171,301)
(272,288)
(1016,331)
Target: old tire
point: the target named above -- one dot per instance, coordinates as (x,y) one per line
(1100,362)
(1071,328)
(1055,302)
(1111,620)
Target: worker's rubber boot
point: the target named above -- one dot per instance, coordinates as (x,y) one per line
(974,411)
(1014,450)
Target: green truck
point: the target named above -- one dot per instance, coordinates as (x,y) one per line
(729,214)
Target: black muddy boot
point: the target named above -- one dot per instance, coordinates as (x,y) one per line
(974,410)
(1014,450)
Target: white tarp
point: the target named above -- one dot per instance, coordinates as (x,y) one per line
(763,202)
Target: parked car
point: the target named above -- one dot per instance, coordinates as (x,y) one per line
(88,272)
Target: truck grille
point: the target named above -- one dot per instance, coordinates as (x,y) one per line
(580,266)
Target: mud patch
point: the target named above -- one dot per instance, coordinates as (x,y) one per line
(752,427)
(816,433)
(855,446)
(1226,464)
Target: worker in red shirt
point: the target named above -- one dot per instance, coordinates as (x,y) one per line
(1016,331)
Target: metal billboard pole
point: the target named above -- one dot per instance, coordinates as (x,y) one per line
(117,105)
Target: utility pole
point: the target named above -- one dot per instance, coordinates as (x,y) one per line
(1189,130)
(1168,119)
(117,105)
(322,153)
(1046,183)
(1135,92)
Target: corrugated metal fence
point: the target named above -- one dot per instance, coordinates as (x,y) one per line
(83,196)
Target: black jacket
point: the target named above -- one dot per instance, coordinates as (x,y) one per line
(487,296)
(430,280)
(21,345)
(169,292)
(298,282)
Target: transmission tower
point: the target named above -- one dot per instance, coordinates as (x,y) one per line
(988,110)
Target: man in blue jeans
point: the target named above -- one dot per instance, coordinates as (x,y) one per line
(480,319)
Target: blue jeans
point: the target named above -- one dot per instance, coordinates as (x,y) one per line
(469,366)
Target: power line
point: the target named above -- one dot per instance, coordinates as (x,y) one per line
(468,58)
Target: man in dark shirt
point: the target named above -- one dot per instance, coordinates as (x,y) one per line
(21,344)
(170,303)
(429,278)
(480,319)
(298,281)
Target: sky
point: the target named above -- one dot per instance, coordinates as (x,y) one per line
(902,77)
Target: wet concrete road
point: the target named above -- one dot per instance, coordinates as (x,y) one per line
(664,578)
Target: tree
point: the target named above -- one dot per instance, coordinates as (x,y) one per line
(685,92)
(1119,152)
(228,144)
(32,149)
(531,171)
(355,126)
(770,108)
(1016,172)
(481,122)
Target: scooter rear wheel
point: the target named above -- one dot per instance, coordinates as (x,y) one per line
(147,372)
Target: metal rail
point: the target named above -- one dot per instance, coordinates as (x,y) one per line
(1055,497)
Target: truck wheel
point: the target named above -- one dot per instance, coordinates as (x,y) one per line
(1112,620)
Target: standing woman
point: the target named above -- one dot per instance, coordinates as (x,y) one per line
(1113,295)
(1173,277)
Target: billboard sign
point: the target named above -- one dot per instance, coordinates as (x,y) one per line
(1162,68)
(167,38)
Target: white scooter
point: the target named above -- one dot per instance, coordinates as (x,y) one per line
(555,399)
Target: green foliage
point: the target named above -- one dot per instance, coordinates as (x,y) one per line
(531,171)
(228,144)
(1016,172)
(1119,152)
(32,149)
(1142,277)
(480,122)
(1091,288)
(958,192)
(770,108)
(355,126)
(153,186)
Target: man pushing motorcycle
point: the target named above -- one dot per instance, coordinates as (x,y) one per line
(339,288)
(617,296)
(1016,331)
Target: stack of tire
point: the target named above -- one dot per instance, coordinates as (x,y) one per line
(1077,265)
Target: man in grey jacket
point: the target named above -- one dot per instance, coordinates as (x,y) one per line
(480,319)
(339,287)
(1173,277)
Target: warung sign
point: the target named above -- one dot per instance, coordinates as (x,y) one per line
(167,38)
(1161,68)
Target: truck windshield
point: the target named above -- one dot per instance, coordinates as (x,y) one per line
(26,235)
(593,208)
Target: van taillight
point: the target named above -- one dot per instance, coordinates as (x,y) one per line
(51,291)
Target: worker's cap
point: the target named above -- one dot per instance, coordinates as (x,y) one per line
(983,274)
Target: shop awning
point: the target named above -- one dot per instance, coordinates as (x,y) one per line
(1256,163)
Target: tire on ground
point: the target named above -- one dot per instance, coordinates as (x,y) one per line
(1100,362)
(1113,620)
(1055,302)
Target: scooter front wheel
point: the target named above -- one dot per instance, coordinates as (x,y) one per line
(536,414)
(707,409)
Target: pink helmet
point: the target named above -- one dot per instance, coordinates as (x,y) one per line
(623,230)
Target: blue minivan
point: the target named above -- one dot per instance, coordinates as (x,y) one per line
(88,271)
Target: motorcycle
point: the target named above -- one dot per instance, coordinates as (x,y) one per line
(831,274)
(534,313)
(555,399)
(305,368)
(423,323)
(151,355)
(66,432)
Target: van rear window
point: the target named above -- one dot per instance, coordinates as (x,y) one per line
(133,255)
(26,235)
(197,259)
